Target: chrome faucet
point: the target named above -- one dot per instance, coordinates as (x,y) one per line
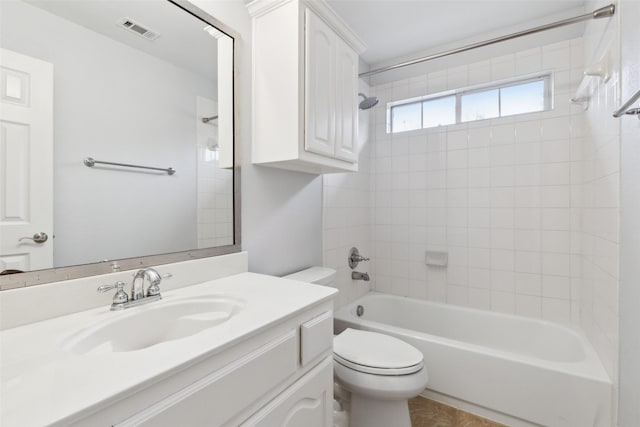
(356,275)
(121,300)
(137,291)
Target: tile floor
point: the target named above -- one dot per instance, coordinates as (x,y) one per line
(429,413)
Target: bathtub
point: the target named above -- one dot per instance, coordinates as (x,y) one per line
(532,370)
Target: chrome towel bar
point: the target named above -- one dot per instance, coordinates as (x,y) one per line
(90,162)
(624,109)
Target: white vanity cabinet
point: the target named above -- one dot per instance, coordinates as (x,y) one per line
(305,87)
(267,357)
(283,376)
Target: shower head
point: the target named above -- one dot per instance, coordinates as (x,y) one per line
(367,102)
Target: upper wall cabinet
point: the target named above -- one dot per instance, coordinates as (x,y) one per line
(305,87)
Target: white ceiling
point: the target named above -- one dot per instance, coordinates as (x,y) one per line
(394,29)
(182,40)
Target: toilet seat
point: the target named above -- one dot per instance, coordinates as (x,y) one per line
(374,353)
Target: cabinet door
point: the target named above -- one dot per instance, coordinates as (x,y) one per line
(222,394)
(320,112)
(308,402)
(346,102)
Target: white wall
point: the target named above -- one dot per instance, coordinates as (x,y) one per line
(498,195)
(281,210)
(101,213)
(629,410)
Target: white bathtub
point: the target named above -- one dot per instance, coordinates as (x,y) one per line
(529,369)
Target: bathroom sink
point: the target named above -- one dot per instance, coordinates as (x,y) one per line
(153,324)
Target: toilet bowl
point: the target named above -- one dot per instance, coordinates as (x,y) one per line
(381,372)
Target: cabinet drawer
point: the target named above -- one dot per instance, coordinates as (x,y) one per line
(220,395)
(316,337)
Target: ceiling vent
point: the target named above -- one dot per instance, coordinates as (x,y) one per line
(136,28)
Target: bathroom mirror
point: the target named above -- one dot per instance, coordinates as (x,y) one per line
(117,131)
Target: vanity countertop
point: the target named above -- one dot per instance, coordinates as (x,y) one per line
(43,382)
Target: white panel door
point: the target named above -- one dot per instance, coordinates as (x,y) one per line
(319,86)
(346,147)
(26,161)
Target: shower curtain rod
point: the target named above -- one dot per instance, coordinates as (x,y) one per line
(603,12)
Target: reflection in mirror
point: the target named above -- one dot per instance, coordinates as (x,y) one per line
(138,83)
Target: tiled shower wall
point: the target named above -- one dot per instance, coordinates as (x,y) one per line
(347,215)
(502,197)
(601,198)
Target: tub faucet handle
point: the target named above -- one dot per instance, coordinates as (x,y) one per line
(355,258)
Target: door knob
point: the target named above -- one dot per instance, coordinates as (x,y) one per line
(37,238)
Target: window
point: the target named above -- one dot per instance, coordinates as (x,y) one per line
(525,95)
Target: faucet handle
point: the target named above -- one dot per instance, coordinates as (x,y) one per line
(355,258)
(120,295)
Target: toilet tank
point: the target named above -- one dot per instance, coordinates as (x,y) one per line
(316,275)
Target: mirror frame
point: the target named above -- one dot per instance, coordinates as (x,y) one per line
(39,277)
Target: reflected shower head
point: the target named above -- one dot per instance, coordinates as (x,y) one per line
(367,102)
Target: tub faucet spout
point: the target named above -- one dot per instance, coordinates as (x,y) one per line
(356,275)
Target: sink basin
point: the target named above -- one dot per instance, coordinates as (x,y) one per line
(153,324)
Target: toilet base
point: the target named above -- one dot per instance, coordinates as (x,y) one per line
(368,412)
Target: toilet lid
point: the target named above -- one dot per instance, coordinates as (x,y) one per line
(376,353)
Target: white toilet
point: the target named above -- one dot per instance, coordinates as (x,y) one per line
(380,371)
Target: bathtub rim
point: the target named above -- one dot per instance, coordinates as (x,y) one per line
(590,367)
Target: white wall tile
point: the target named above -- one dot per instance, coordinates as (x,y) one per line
(479,298)
(457,140)
(502,260)
(503,302)
(528,175)
(527,240)
(556,287)
(530,131)
(479,157)
(527,153)
(457,160)
(503,134)
(528,262)
(503,67)
(528,305)
(528,218)
(556,310)
(479,137)
(479,177)
(528,284)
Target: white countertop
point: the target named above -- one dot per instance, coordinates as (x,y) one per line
(43,383)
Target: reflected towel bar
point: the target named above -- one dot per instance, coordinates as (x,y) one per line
(90,162)
(624,109)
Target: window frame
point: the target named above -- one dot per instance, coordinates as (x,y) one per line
(545,77)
